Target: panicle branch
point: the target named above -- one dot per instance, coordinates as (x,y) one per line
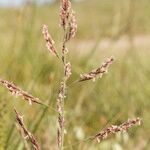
(113,129)
(14,90)
(27,134)
(49,41)
(97,72)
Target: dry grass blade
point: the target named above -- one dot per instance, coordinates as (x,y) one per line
(19,92)
(26,133)
(113,129)
(97,72)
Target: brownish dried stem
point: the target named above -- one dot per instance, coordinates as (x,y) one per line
(26,133)
(113,129)
(14,90)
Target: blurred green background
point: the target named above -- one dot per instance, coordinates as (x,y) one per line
(105,28)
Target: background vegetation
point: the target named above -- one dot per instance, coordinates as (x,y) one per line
(105,27)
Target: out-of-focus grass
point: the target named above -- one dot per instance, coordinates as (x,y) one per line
(123,93)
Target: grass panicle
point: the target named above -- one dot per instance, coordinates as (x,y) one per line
(69,26)
(97,72)
(113,129)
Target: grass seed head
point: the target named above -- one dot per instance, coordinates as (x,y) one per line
(113,129)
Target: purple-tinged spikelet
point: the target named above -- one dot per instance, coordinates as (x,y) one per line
(113,129)
(14,90)
(67,69)
(97,72)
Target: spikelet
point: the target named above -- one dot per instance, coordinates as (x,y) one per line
(67,69)
(26,133)
(113,129)
(98,72)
